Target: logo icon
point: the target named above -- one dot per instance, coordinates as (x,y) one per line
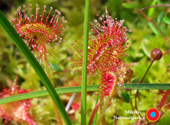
(153,114)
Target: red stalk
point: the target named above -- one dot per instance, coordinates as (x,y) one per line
(94,112)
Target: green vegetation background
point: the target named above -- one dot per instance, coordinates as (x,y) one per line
(143,38)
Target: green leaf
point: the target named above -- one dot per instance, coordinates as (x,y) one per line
(55,67)
(132,96)
(145,50)
(160,16)
(129,5)
(36,66)
(125,96)
(159,2)
(151,10)
(166,20)
(155,30)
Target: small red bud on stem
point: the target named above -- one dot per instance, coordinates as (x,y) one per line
(156,54)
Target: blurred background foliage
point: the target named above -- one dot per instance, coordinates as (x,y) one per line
(143,38)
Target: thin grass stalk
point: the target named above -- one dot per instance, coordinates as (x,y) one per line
(84,69)
(36,66)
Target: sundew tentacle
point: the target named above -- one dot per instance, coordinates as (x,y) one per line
(39,31)
(107,47)
(17,111)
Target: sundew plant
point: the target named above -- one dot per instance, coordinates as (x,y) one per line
(84,62)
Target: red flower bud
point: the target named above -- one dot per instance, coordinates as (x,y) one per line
(156,54)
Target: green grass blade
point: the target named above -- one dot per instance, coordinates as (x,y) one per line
(45,93)
(146,86)
(78,89)
(84,69)
(36,66)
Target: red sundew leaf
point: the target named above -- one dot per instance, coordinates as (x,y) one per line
(18,110)
(39,31)
(163,100)
(75,106)
(107,47)
(108,80)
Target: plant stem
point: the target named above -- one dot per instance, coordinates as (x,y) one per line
(103,111)
(103,122)
(84,69)
(147,70)
(166,52)
(159,5)
(136,107)
(94,113)
(58,117)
